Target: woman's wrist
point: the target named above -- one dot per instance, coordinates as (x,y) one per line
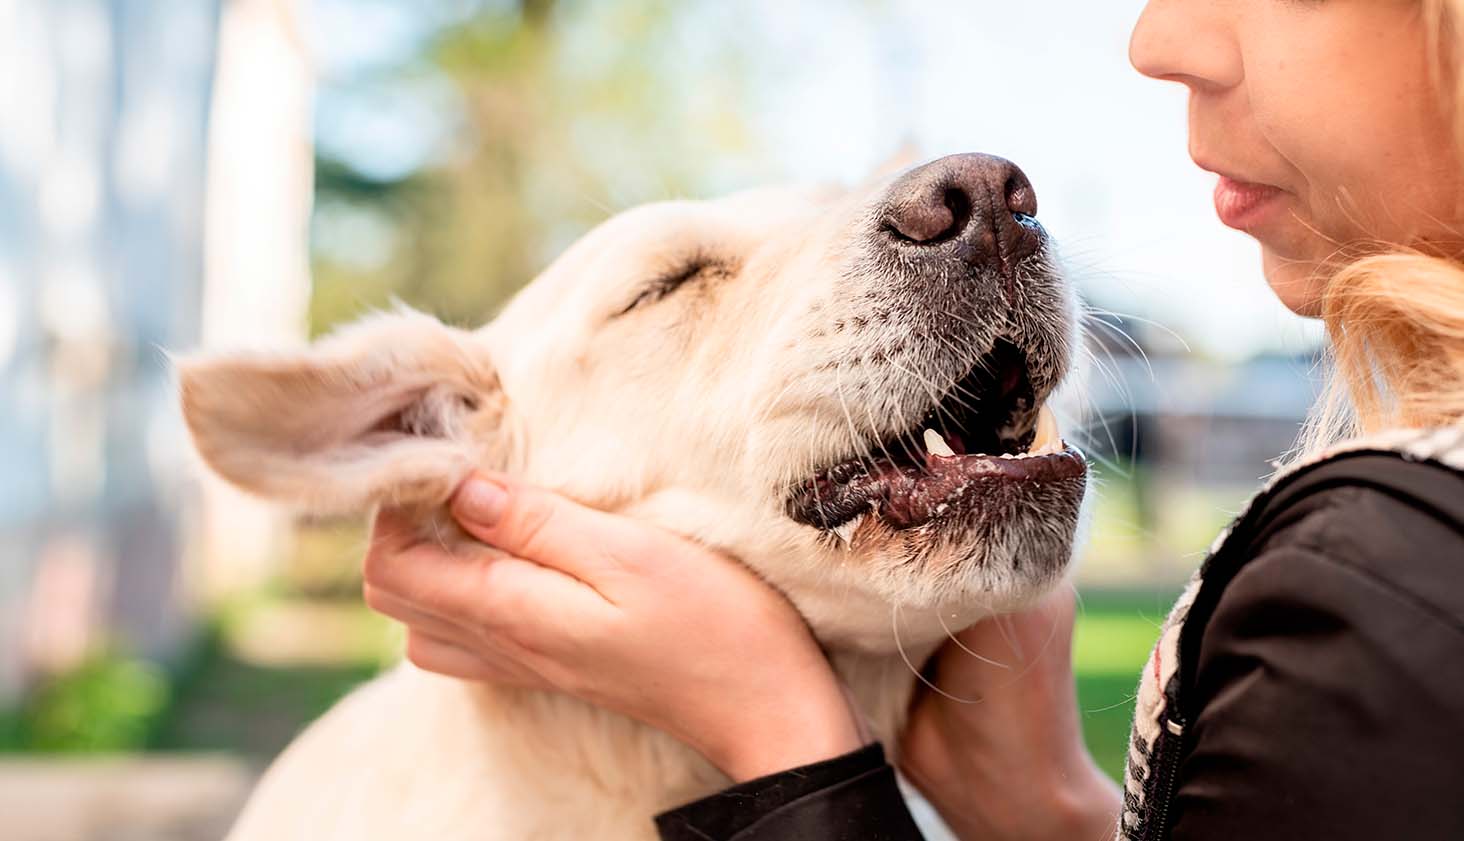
(1073,799)
(1085,802)
(801,726)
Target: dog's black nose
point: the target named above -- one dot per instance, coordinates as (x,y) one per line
(981,207)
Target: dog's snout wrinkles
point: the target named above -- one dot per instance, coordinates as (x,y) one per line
(979,207)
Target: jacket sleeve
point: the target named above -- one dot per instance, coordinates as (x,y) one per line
(1330,683)
(850,798)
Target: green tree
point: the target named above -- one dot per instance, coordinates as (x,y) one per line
(568,111)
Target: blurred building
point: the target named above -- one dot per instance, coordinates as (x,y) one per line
(1180,441)
(1204,421)
(104,149)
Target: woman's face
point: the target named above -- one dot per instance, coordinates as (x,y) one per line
(1322,119)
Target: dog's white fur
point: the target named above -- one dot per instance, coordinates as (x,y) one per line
(695,412)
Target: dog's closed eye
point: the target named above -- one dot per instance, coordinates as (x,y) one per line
(681,275)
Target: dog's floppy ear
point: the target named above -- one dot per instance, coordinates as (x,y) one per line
(397,408)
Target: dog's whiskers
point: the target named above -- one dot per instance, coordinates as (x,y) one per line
(865,457)
(950,635)
(929,388)
(874,431)
(437,534)
(903,439)
(1008,635)
(900,647)
(958,390)
(1101,418)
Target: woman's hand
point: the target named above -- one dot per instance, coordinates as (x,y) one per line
(1013,764)
(621,614)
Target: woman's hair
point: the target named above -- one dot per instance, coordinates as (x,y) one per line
(1396,318)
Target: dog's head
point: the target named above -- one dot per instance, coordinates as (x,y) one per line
(844,390)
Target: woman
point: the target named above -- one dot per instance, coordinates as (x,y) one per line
(1311,681)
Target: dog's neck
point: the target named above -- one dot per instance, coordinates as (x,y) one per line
(572,744)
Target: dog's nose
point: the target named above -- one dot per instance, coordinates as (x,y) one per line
(981,207)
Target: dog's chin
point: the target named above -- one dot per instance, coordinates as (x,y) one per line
(995,554)
(974,507)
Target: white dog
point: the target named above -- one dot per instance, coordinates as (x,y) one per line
(843,391)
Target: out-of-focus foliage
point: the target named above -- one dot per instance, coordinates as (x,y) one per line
(226,700)
(108,703)
(562,112)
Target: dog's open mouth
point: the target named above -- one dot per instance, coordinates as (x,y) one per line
(985,434)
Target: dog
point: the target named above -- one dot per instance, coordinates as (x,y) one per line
(845,389)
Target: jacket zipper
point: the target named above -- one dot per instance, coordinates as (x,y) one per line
(1169,772)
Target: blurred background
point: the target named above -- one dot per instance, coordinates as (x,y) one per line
(177,174)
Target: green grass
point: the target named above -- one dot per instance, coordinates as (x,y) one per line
(1111,643)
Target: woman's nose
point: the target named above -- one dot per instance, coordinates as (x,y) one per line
(1193,42)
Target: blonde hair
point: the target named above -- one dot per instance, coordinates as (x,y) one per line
(1395,319)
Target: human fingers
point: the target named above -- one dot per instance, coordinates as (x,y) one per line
(392,532)
(445,657)
(393,606)
(501,598)
(542,526)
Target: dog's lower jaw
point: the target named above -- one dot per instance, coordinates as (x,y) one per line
(418,755)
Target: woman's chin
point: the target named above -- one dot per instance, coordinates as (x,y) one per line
(1297,283)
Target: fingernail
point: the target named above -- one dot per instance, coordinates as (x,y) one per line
(481,501)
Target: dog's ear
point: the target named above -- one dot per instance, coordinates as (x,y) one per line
(398,408)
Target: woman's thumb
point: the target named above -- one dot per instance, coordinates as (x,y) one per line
(531,523)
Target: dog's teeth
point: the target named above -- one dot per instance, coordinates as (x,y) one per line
(846,531)
(937,445)
(1046,434)
(1050,448)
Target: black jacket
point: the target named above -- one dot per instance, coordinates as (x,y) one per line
(1310,684)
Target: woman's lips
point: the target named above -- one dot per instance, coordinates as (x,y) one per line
(1242,205)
